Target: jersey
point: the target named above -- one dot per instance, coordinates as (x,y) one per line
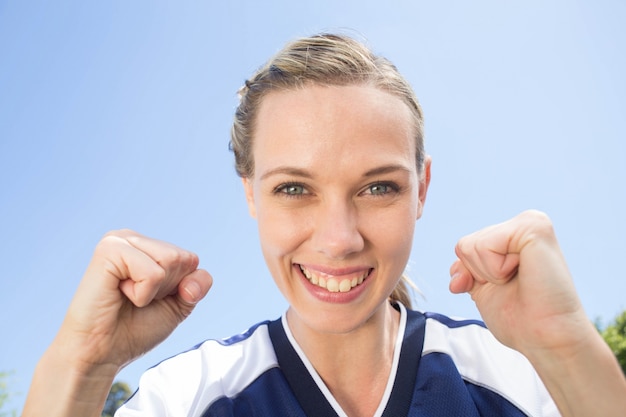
(441,367)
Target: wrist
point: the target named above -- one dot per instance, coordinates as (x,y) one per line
(65,386)
(583,377)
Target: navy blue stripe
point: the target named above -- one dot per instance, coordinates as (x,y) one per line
(305,389)
(451,323)
(400,399)
(242,336)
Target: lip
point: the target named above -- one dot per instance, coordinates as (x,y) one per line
(334,297)
(337,272)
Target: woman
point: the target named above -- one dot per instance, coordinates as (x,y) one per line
(328,142)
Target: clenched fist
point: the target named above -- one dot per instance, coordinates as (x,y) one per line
(135,291)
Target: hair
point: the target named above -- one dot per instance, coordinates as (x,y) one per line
(326,60)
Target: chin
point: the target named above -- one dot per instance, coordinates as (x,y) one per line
(334,319)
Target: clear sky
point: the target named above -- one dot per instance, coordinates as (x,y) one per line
(116,114)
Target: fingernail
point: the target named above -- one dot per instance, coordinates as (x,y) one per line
(193,289)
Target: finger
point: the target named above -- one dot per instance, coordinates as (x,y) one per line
(194,287)
(130,270)
(176,262)
(461,278)
(488,253)
(145,269)
(165,254)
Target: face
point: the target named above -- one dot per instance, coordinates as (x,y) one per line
(336,194)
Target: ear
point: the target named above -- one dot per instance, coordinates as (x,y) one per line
(423,184)
(249,190)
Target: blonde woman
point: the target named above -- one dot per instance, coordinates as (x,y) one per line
(328,141)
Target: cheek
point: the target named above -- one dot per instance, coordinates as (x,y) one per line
(279,232)
(401,238)
(392,234)
(280,236)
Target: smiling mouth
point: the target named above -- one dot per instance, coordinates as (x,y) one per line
(333,283)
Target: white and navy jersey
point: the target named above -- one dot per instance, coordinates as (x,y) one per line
(441,367)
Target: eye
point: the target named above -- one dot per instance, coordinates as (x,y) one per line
(381,188)
(291,189)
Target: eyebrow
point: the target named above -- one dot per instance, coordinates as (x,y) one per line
(386,169)
(299,172)
(296,172)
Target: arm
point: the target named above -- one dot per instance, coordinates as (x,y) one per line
(516,274)
(134,293)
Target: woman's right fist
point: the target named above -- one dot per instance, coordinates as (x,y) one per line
(136,290)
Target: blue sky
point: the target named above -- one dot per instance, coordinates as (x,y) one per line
(117,114)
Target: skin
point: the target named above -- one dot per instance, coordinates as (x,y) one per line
(136,290)
(518,277)
(340,216)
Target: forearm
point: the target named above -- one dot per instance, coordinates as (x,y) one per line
(61,388)
(584,381)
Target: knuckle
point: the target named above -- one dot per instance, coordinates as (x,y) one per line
(536,215)
(171,256)
(113,238)
(120,233)
(158,275)
(108,242)
(192,260)
(539,222)
(464,245)
(482,246)
(179,258)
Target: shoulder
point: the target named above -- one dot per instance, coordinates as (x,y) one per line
(467,349)
(470,344)
(188,382)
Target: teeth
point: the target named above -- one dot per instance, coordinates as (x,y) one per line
(333,284)
(345,285)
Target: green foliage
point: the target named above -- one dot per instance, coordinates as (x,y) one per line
(615,336)
(5,394)
(120,392)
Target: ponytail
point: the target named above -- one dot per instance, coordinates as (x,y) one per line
(402,293)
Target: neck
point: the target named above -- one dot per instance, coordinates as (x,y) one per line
(355,365)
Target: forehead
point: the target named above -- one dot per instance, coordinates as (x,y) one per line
(335,123)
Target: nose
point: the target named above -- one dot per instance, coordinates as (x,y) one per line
(336,231)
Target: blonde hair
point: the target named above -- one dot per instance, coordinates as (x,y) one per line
(324,59)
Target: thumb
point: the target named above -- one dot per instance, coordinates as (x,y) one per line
(193,288)
(461,280)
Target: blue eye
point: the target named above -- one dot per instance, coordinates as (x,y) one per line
(291,189)
(381,188)
(378,189)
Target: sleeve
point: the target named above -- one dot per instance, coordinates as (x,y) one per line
(484,362)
